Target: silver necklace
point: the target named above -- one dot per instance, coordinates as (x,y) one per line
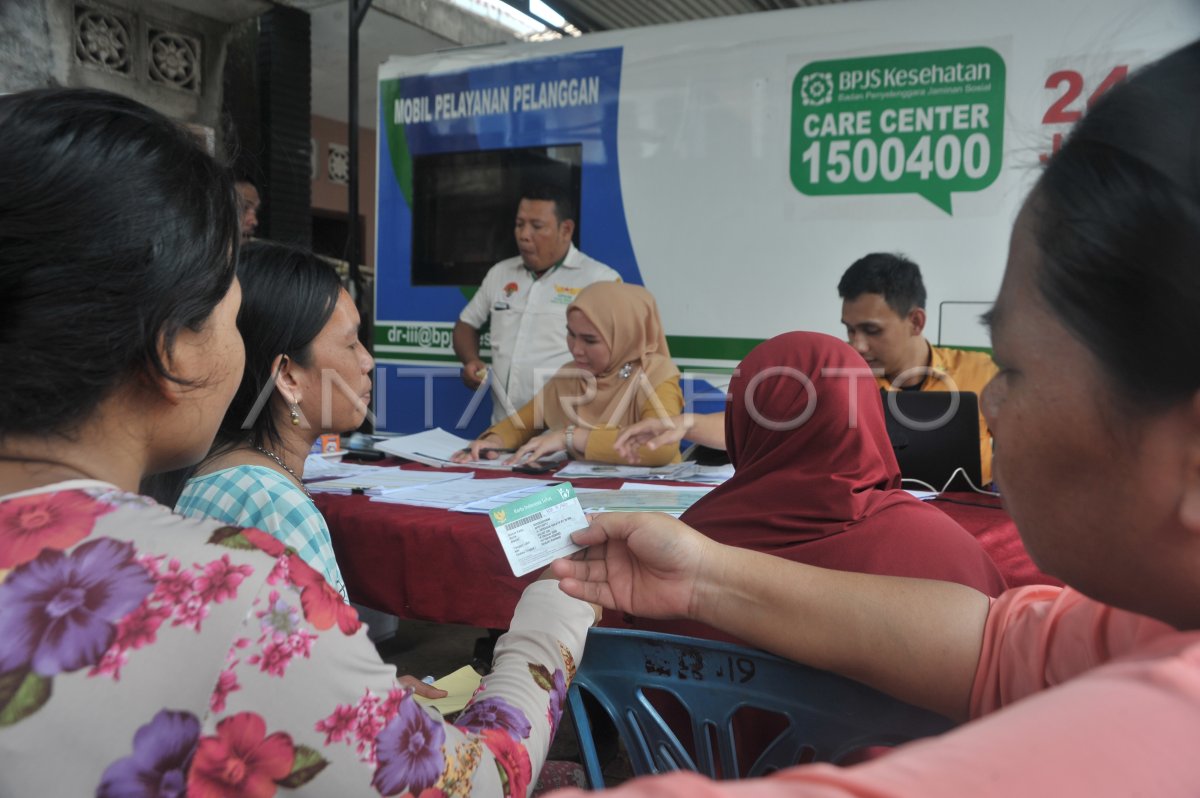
(284,466)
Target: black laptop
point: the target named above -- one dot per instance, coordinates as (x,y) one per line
(934,433)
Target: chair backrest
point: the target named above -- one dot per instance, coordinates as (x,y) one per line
(824,717)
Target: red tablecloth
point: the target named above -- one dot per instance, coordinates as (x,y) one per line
(984,518)
(437,565)
(423,563)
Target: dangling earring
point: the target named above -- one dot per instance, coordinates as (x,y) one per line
(625,371)
(295,415)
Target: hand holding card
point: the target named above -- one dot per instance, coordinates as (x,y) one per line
(536,530)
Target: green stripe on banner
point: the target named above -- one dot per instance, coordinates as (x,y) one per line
(449,361)
(396,140)
(437,336)
(987,350)
(386,353)
(710,348)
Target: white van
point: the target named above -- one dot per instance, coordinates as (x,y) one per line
(735,167)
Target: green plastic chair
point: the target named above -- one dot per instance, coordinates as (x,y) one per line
(674,700)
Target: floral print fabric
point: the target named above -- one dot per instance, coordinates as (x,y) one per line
(143,654)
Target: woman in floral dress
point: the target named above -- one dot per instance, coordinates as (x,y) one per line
(141,653)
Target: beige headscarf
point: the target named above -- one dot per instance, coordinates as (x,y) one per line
(626,317)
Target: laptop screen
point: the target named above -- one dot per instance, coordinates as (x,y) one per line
(934,433)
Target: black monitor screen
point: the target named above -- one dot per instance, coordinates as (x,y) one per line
(464,204)
(935,433)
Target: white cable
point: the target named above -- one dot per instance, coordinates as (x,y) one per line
(924,485)
(953,474)
(974,487)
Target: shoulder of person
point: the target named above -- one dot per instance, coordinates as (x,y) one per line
(252,484)
(964,358)
(153,530)
(592,268)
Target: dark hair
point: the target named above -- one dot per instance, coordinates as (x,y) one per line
(288,295)
(564,206)
(116,232)
(1116,217)
(896,277)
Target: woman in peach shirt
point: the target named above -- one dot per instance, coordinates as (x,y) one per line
(1097,429)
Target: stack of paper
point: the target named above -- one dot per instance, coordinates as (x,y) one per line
(710,475)
(317,467)
(448,495)
(381,481)
(433,447)
(436,447)
(677,472)
(642,499)
(585,468)
(484,506)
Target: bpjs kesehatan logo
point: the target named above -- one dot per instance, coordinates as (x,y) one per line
(928,123)
(817,88)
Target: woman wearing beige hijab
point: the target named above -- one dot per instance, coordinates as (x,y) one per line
(621,373)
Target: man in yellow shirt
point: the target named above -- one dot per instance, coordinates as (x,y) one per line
(883,308)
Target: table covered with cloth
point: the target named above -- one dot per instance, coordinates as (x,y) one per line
(432,564)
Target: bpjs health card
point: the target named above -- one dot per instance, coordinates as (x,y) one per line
(535,530)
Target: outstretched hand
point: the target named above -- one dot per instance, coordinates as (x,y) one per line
(547,443)
(652,433)
(647,564)
(485,448)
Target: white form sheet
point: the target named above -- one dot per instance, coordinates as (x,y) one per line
(385,480)
(448,495)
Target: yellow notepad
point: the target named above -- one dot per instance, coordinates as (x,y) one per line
(459,686)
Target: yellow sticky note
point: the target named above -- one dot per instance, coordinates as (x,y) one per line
(459,686)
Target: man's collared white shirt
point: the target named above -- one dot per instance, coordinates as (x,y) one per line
(529,322)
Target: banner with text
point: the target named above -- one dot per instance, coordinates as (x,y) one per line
(928,123)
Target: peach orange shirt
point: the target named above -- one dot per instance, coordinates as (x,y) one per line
(1116,713)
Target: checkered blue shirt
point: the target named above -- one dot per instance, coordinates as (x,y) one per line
(248,495)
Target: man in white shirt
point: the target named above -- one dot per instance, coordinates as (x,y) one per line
(526,299)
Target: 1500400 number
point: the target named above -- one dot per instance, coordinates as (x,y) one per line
(866,159)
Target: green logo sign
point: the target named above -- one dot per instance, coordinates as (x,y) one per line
(920,123)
